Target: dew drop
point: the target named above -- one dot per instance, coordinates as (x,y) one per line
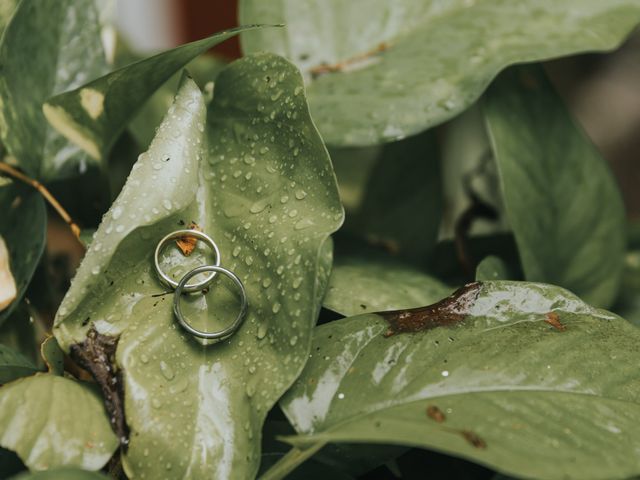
(276,307)
(167,371)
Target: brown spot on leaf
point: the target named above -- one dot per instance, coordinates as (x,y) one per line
(553,319)
(449,311)
(349,63)
(435,414)
(96,354)
(187,243)
(473,439)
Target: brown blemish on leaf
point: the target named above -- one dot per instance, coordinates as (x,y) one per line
(473,439)
(435,414)
(553,319)
(349,63)
(96,354)
(186,244)
(449,311)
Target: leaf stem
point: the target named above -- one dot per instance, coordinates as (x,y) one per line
(290,461)
(9,170)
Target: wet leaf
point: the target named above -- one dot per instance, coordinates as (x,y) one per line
(47,48)
(19,333)
(8,291)
(397,68)
(518,395)
(94,114)
(63,473)
(368,283)
(258,179)
(37,423)
(551,178)
(492,268)
(23,226)
(13,365)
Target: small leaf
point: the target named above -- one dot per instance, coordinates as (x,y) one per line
(501,387)
(8,291)
(53,356)
(363,284)
(393,69)
(23,227)
(13,365)
(551,178)
(47,48)
(492,268)
(51,421)
(94,115)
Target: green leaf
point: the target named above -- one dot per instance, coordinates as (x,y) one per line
(492,268)
(402,202)
(21,333)
(63,473)
(552,178)
(258,179)
(47,48)
(7,7)
(95,114)
(499,386)
(23,226)
(52,355)
(413,64)
(628,303)
(52,421)
(13,365)
(364,284)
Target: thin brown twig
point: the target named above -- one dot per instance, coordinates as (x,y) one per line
(9,170)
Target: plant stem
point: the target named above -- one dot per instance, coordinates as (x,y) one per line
(292,459)
(9,170)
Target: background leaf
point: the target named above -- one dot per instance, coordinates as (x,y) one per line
(37,423)
(492,268)
(47,48)
(95,114)
(512,391)
(13,365)
(405,66)
(258,179)
(23,226)
(561,199)
(368,283)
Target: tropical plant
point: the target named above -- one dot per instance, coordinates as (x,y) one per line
(396,342)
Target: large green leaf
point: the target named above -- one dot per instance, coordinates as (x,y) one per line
(562,201)
(23,226)
(500,385)
(13,365)
(63,473)
(259,180)
(7,8)
(367,283)
(94,114)
(412,64)
(52,421)
(47,48)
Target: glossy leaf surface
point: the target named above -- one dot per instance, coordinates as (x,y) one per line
(502,387)
(47,48)
(392,69)
(23,226)
(561,199)
(94,115)
(36,422)
(64,473)
(258,179)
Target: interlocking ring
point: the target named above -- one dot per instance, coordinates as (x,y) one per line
(168,281)
(221,334)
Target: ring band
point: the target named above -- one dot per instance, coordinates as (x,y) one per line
(181,287)
(168,281)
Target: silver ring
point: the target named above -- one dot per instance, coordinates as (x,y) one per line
(221,334)
(168,281)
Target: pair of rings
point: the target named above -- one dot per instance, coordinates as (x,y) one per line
(183,285)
